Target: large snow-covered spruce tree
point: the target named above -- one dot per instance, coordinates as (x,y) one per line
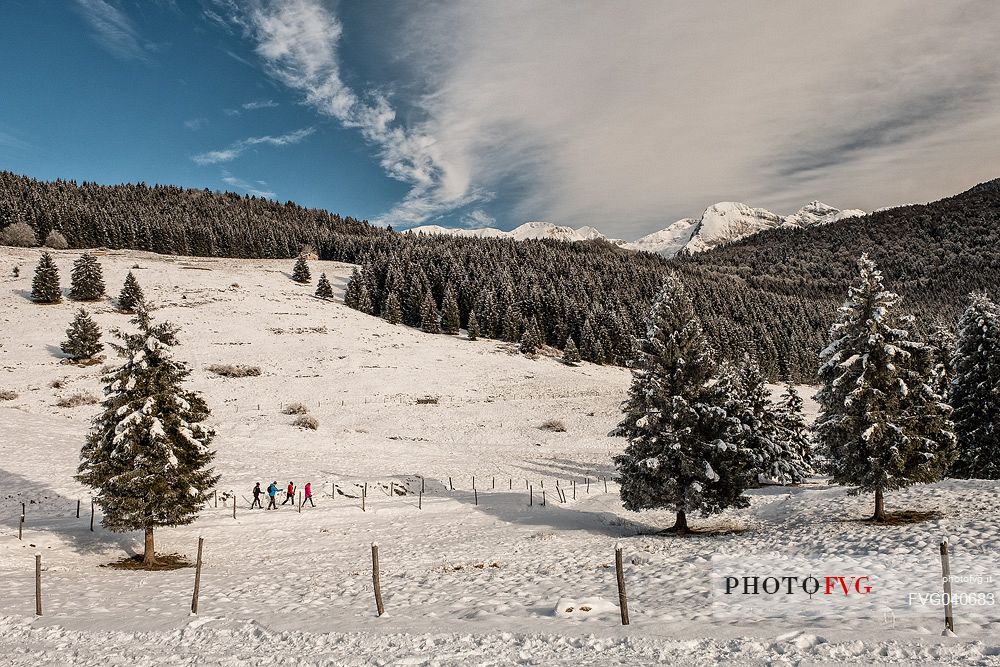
(975,390)
(683,452)
(881,420)
(147,457)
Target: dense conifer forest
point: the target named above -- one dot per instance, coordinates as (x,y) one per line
(772,295)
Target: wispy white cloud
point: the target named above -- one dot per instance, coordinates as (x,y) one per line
(237,148)
(246,186)
(259,104)
(8,140)
(477,219)
(113,30)
(251,106)
(196,124)
(298,40)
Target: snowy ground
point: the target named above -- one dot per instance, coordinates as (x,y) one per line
(464,583)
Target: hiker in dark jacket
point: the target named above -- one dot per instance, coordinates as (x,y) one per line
(272,492)
(256,497)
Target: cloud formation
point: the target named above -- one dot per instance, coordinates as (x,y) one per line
(113,30)
(630,117)
(298,40)
(237,148)
(246,186)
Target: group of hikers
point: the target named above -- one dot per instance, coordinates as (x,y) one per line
(272,495)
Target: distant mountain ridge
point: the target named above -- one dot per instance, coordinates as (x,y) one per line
(720,223)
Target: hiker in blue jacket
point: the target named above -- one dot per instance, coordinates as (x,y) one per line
(272,492)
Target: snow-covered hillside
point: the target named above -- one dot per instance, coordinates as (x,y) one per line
(474,572)
(720,223)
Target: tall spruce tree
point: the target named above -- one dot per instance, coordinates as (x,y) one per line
(531,338)
(131,297)
(473,326)
(975,392)
(392,312)
(942,342)
(430,319)
(683,452)
(45,285)
(300,273)
(880,419)
(451,317)
(147,457)
(795,435)
(353,292)
(83,338)
(87,279)
(323,288)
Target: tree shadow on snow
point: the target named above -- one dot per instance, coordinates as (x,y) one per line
(52,514)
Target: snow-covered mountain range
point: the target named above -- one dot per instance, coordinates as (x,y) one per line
(720,223)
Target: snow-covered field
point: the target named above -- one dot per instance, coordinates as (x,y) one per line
(499,582)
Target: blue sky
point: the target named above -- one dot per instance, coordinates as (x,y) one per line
(624,116)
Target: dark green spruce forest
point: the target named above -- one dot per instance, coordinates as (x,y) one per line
(772,295)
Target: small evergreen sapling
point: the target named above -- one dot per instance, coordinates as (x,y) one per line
(45,285)
(147,457)
(571,355)
(83,337)
(975,393)
(131,297)
(473,326)
(300,273)
(87,280)
(323,288)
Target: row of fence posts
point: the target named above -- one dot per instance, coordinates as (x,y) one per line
(376,581)
(420,497)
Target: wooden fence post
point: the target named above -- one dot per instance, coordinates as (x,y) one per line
(91,514)
(376,580)
(588,485)
(605,485)
(234,502)
(77,508)
(300,502)
(420,499)
(574,489)
(20,527)
(531,496)
(38,584)
(949,618)
(450,485)
(543,497)
(476,492)
(622,598)
(364,494)
(216,498)
(197,578)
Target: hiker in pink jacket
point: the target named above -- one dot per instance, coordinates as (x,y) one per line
(309,495)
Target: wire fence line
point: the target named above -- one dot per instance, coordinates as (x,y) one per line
(475,490)
(238,405)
